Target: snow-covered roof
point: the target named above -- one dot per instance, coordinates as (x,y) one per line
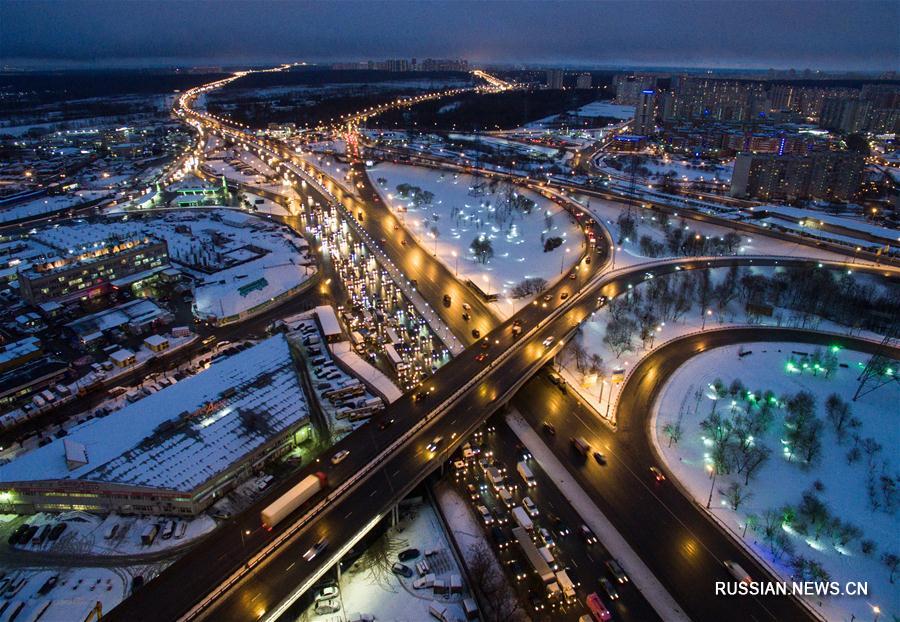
(122,356)
(182,436)
(328,320)
(156,340)
(886,233)
(363,369)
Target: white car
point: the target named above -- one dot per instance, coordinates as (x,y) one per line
(327,593)
(314,550)
(339,456)
(530,507)
(547,342)
(485,515)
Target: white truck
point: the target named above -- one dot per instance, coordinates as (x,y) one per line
(565,583)
(521,517)
(526,474)
(278,510)
(495,477)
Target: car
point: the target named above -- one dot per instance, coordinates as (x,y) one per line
(537,603)
(485,515)
(402,570)
(549,428)
(616,570)
(609,588)
(481,356)
(564,295)
(466,316)
(476,333)
(485,344)
(57,530)
(658,474)
(530,507)
(327,592)
(518,570)
(573,276)
(339,456)
(386,423)
(546,342)
(434,444)
(600,458)
(408,554)
(447,300)
(17,534)
(421,395)
(588,535)
(473,491)
(315,549)
(324,607)
(466,306)
(548,297)
(561,528)
(546,536)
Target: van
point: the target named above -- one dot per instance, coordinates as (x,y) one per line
(548,557)
(505,497)
(168,530)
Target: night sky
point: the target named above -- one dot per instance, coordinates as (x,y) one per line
(858,35)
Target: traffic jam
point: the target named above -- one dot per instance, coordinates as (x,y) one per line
(539,549)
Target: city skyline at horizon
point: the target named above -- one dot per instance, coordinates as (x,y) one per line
(800,35)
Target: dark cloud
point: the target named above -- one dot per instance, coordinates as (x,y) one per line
(819,34)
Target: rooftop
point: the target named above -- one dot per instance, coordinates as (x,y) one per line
(182,436)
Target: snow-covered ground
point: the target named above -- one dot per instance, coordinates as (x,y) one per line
(76,592)
(838,481)
(86,534)
(593,110)
(458,218)
(629,252)
(681,169)
(466,532)
(601,390)
(369,586)
(49,204)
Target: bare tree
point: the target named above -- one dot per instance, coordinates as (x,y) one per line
(736,495)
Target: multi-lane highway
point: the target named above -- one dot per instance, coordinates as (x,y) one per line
(384,464)
(669,531)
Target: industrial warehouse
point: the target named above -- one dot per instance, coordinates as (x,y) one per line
(174,452)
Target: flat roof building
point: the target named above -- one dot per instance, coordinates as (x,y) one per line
(174,452)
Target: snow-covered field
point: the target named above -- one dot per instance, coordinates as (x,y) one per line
(369,586)
(836,477)
(454,218)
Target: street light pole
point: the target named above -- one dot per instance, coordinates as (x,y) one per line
(714,472)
